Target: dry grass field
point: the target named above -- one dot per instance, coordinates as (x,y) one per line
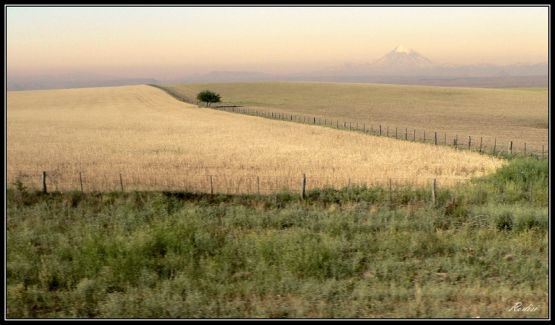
(519,115)
(157,142)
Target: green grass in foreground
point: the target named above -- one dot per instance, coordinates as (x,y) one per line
(348,253)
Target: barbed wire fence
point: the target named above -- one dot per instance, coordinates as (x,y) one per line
(55,181)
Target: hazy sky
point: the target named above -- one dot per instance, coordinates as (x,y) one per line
(175,41)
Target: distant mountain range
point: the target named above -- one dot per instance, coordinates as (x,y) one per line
(403,62)
(404,66)
(399,66)
(400,61)
(71,80)
(233,76)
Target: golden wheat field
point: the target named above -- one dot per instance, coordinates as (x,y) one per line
(91,136)
(497,115)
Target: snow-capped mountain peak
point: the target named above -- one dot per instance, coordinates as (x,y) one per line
(402,58)
(401,49)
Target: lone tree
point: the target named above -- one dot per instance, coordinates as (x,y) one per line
(208,97)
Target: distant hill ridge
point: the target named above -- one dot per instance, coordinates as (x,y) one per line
(401,65)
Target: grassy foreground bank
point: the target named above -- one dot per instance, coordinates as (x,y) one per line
(353,253)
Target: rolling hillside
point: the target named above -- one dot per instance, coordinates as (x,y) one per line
(157,142)
(497,115)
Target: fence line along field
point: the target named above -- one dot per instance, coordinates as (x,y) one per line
(151,138)
(497,115)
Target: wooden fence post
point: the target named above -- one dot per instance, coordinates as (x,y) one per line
(303,187)
(380,129)
(395,133)
(406,134)
(511,148)
(480,144)
(494,145)
(390,197)
(314,121)
(456,141)
(121,182)
(211,186)
(469,142)
(414,135)
(44,190)
(435,138)
(81,181)
(433,191)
